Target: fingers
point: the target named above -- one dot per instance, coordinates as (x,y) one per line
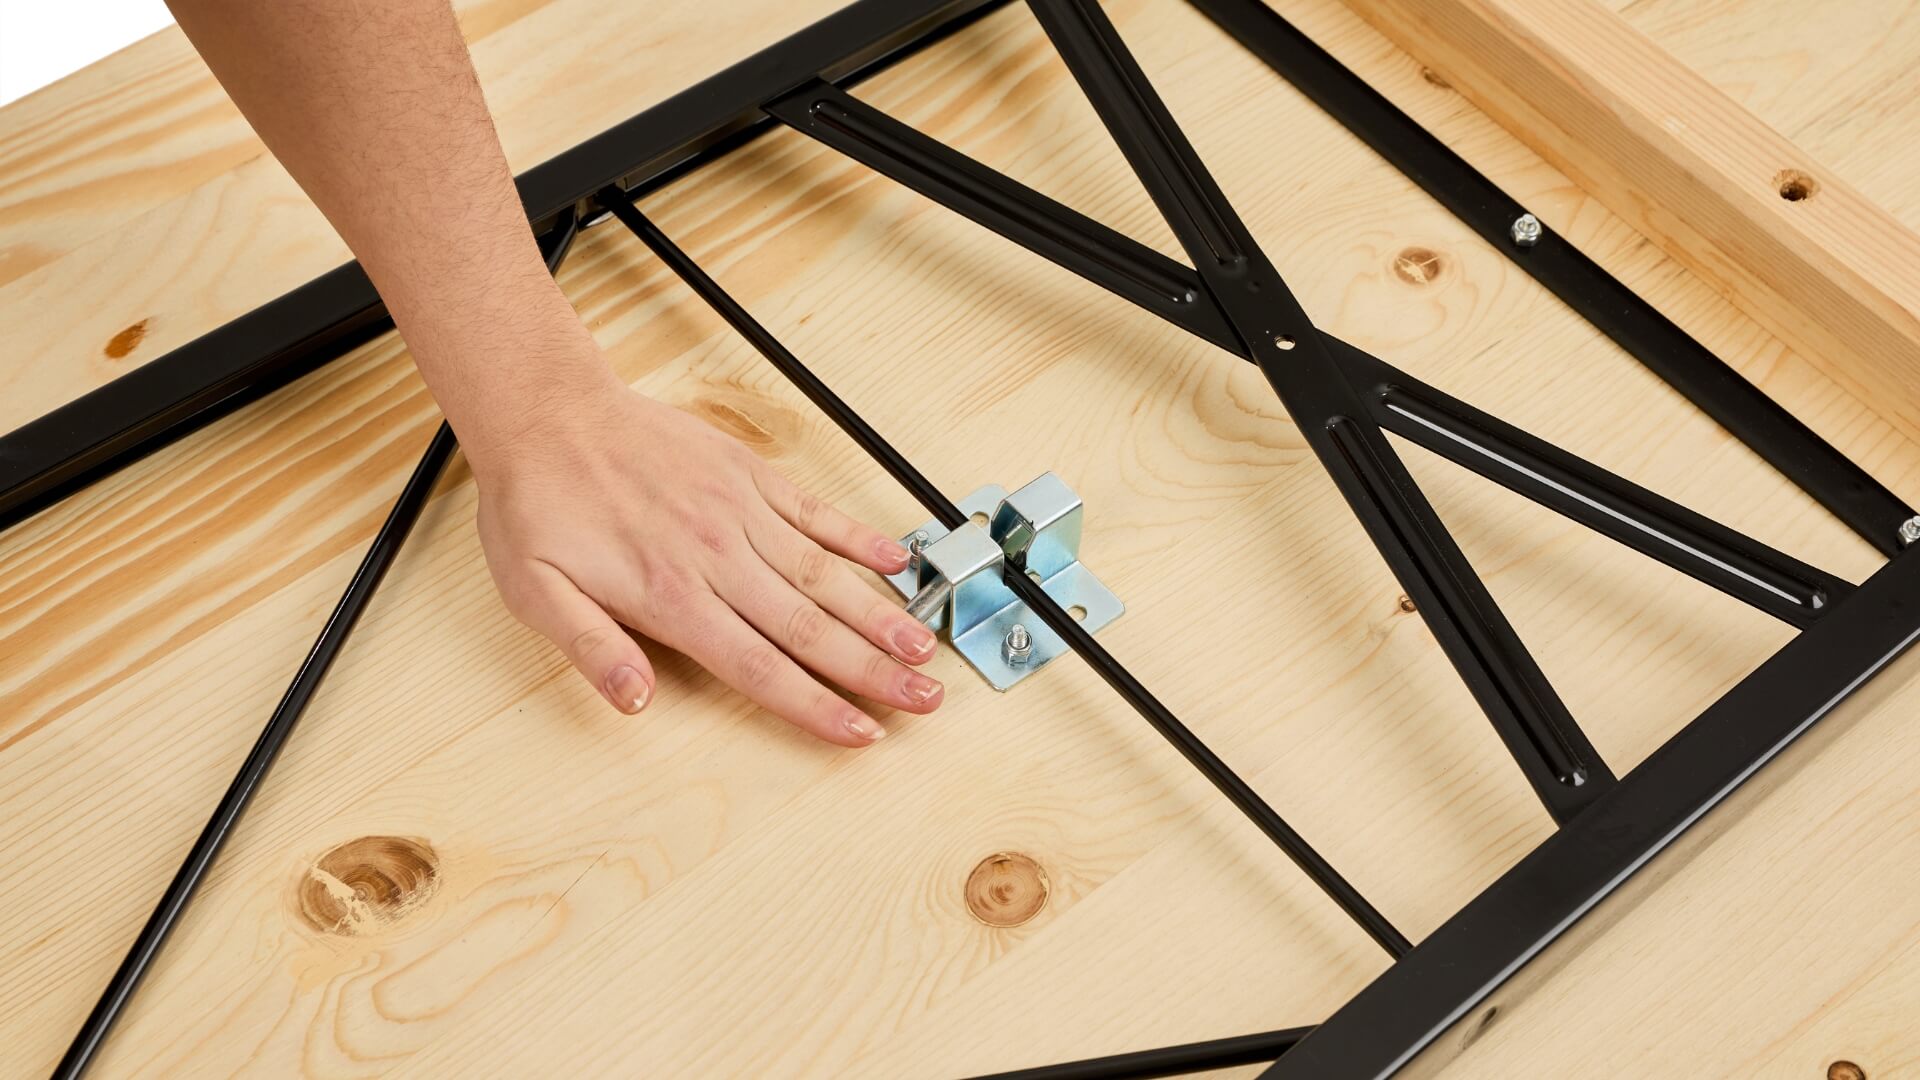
(713,634)
(822,642)
(830,528)
(828,581)
(546,600)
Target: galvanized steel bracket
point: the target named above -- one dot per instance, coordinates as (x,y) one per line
(955,577)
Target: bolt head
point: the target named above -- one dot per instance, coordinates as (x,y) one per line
(1526,230)
(1910,532)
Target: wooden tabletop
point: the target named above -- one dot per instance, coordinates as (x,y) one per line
(466,864)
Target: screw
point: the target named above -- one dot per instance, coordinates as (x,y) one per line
(1526,230)
(1019,645)
(916,549)
(1910,532)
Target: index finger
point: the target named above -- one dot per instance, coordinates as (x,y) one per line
(827,526)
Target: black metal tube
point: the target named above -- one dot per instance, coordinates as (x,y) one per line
(293,704)
(1412,1006)
(1703,548)
(1008,207)
(1168,1061)
(101,431)
(1236,790)
(253,772)
(1609,504)
(1844,488)
(1562,766)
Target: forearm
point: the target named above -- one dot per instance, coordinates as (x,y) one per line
(599,509)
(374,108)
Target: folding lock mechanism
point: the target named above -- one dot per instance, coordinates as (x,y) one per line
(954,578)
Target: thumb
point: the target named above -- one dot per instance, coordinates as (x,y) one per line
(599,647)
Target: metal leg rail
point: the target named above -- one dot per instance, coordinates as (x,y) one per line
(1342,398)
(1122,681)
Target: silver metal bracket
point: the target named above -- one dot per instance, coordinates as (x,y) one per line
(954,580)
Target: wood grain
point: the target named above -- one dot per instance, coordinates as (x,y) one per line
(551,888)
(1794,245)
(93,151)
(192,256)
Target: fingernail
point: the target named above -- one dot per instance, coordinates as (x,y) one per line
(921,689)
(865,728)
(890,553)
(627,689)
(913,641)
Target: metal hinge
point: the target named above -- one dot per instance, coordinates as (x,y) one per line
(954,579)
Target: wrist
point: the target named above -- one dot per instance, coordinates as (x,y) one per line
(515,426)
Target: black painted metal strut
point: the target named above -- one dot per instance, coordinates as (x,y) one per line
(1551,750)
(103,430)
(293,704)
(1096,655)
(1730,561)
(1342,398)
(1848,491)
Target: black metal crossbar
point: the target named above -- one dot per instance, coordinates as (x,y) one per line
(1343,399)
(373,567)
(1652,524)
(1129,688)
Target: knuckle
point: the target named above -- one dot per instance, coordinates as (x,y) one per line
(713,538)
(758,666)
(815,566)
(805,627)
(824,711)
(882,616)
(882,671)
(807,511)
(587,642)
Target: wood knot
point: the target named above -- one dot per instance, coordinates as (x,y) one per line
(366,885)
(1435,78)
(126,340)
(1845,1070)
(1418,265)
(1007,889)
(754,421)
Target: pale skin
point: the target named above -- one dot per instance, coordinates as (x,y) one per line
(600,508)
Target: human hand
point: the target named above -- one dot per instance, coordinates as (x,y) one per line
(619,507)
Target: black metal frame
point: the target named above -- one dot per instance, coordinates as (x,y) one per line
(1343,400)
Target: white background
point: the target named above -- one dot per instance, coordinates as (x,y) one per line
(41,40)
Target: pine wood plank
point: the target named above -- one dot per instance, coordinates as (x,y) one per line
(702,892)
(1788,239)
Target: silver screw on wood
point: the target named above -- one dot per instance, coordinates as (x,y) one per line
(1526,230)
(1019,645)
(1910,532)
